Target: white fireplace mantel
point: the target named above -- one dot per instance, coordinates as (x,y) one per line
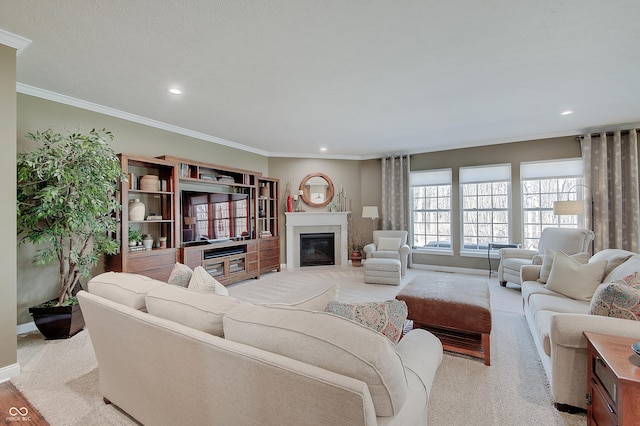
(311,222)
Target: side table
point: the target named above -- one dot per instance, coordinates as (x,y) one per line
(613,380)
(492,246)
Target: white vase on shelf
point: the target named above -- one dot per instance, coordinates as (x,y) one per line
(136,209)
(147,241)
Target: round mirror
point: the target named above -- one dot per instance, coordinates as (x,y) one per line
(316,190)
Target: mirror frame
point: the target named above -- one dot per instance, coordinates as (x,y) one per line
(306,196)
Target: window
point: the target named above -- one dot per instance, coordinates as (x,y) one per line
(542,184)
(485,194)
(431,209)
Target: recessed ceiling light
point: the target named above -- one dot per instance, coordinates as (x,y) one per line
(567,112)
(323,149)
(175,91)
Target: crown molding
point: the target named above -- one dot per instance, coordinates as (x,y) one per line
(90,106)
(14,40)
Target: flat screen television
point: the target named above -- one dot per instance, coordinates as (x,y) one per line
(211,215)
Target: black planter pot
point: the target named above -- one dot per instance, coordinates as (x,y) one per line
(58,322)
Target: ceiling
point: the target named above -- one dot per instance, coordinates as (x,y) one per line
(362,78)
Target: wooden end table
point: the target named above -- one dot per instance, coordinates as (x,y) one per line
(613,381)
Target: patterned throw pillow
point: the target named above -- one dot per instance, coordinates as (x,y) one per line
(180,275)
(387,317)
(619,299)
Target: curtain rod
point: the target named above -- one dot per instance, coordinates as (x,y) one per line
(608,133)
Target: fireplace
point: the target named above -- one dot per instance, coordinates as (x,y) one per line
(317,249)
(299,223)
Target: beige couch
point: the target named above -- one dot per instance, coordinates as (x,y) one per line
(201,358)
(557,324)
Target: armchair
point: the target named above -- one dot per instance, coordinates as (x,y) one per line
(568,240)
(390,245)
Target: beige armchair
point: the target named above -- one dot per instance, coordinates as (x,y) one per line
(567,240)
(390,245)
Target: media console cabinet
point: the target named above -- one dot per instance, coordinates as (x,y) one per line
(223,219)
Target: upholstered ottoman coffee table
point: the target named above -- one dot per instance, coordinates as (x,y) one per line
(382,271)
(456,309)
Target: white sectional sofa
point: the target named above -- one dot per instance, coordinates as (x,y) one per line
(557,323)
(170,355)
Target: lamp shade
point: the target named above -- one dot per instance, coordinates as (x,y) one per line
(568,208)
(370,212)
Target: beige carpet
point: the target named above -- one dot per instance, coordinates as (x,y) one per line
(61,377)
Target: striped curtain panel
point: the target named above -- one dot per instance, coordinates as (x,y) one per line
(396,214)
(610,162)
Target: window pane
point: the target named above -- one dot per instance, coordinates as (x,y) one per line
(538,196)
(485,213)
(431,207)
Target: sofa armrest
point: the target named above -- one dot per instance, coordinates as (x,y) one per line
(530,272)
(566,329)
(421,352)
(507,253)
(405,250)
(369,249)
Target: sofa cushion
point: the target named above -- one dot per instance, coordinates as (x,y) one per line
(573,279)
(327,341)
(387,317)
(614,258)
(195,309)
(562,304)
(618,299)
(123,287)
(548,258)
(180,275)
(628,267)
(202,281)
(303,300)
(389,244)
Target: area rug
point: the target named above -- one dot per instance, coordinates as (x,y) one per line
(60,378)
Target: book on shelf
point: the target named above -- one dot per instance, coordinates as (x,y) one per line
(154,217)
(133,180)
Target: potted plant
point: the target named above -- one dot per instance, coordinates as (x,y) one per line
(135,237)
(357,232)
(66,193)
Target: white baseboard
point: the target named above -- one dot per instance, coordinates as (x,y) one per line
(452,269)
(8,372)
(26,328)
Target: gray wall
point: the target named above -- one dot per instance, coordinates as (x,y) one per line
(8,356)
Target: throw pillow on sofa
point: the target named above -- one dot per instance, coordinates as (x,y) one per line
(327,341)
(548,258)
(618,299)
(387,317)
(180,275)
(201,280)
(574,280)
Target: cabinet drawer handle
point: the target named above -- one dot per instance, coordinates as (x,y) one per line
(610,408)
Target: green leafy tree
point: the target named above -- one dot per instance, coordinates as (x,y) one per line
(66,200)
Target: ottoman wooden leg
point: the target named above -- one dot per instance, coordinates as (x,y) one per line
(486,347)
